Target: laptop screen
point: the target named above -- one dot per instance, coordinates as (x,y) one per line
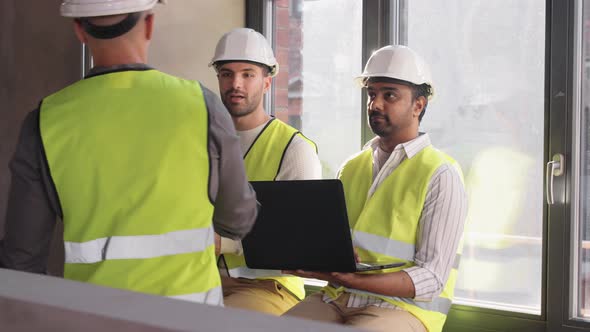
(301,225)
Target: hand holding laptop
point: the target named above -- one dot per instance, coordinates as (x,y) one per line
(335,278)
(357,259)
(331,277)
(217,244)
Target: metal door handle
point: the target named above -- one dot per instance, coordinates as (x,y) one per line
(555,167)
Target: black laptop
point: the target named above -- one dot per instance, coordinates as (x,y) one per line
(303,225)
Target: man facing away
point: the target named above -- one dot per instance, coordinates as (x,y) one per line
(406,202)
(141,167)
(272,150)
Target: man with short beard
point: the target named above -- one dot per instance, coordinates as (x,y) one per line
(406,202)
(273,150)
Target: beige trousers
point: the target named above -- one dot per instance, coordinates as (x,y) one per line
(370,318)
(267,296)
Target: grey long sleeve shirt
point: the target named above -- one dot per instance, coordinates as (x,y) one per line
(33,205)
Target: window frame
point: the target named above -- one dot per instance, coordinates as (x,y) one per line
(559,102)
(563,111)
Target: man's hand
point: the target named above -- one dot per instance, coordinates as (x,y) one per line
(217,244)
(396,283)
(340,278)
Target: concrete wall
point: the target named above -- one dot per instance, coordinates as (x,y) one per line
(30,302)
(187,32)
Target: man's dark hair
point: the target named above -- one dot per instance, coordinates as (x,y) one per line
(418,90)
(265,69)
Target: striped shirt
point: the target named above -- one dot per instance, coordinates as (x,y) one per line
(440,226)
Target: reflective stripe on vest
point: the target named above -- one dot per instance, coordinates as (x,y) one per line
(439,304)
(384,245)
(139,246)
(270,146)
(381,234)
(245,272)
(212,297)
(128,154)
(388,247)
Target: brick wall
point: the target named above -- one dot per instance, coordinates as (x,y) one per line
(288,83)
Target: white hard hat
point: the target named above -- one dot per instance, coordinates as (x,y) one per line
(92,8)
(245,44)
(398,62)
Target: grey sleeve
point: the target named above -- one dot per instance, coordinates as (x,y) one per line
(31,213)
(233,197)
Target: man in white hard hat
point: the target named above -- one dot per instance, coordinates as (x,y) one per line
(406,202)
(142,168)
(272,150)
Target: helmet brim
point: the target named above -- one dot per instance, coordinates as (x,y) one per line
(115,8)
(361,81)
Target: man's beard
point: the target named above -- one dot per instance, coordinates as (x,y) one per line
(241,109)
(380,129)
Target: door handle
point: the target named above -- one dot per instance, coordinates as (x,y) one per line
(554,168)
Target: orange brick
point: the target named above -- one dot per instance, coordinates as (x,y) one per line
(282,3)
(281,95)
(282,56)
(282,38)
(282,79)
(282,115)
(282,18)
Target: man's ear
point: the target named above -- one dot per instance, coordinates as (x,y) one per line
(419,105)
(80,33)
(149,26)
(267,81)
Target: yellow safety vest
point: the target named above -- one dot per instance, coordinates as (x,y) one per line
(263,162)
(385,226)
(127,152)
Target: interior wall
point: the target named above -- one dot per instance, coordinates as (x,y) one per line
(39,54)
(186,34)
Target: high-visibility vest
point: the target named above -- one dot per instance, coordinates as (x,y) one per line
(128,154)
(385,226)
(263,162)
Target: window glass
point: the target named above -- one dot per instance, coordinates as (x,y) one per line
(318,47)
(487,59)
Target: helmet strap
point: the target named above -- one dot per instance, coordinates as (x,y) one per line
(110,31)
